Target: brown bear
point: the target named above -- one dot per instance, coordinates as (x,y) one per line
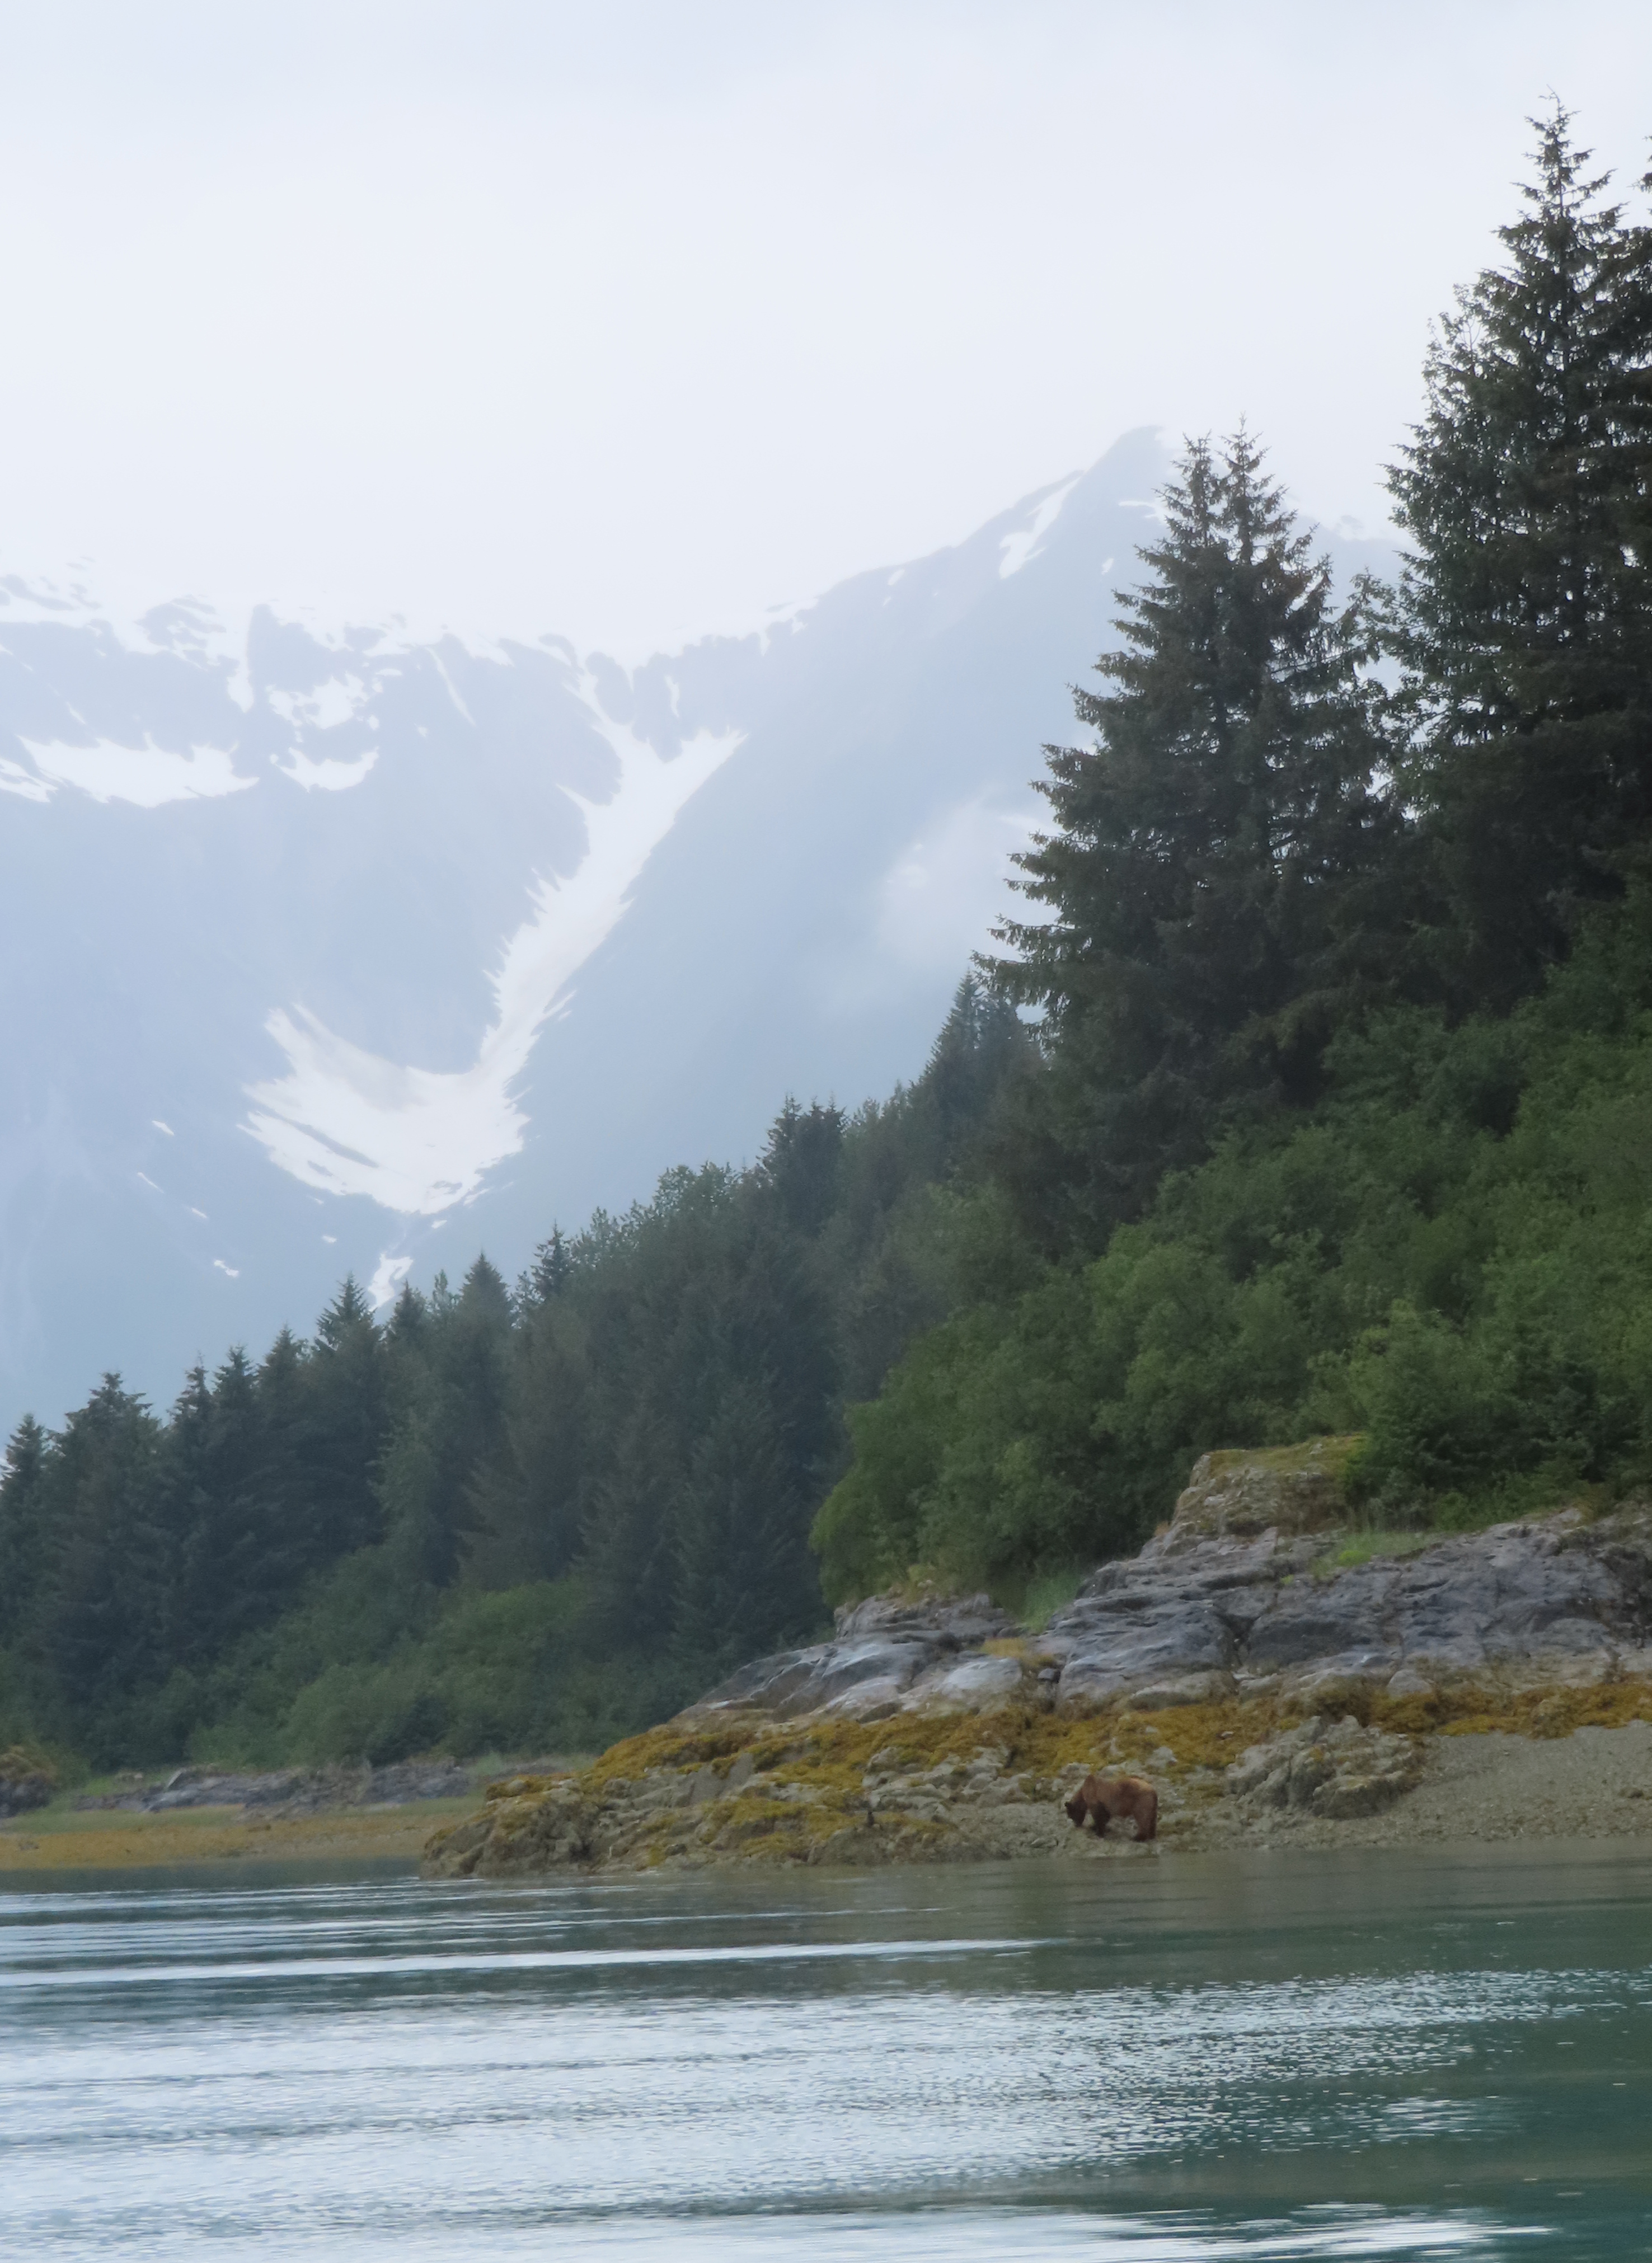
(1114,1798)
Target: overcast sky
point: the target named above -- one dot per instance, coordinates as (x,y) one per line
(630,321)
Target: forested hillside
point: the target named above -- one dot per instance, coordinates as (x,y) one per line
(506,1516)
(1342,944)
(1309,1092)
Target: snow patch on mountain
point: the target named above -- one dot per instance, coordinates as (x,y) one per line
(147,776)
(328,776)
(388,1277)
(792,615)
(321,708)
(15,779)
(1024,542)
(416,1141)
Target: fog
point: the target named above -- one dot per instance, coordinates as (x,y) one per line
(637,321)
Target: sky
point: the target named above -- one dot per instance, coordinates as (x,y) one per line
(632,322)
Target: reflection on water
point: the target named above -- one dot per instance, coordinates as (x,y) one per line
(1371,2054)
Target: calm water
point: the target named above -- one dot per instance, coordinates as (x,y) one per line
(1361,2055)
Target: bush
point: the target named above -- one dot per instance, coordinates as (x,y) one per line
(1453,1252)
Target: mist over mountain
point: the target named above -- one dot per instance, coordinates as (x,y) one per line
(338,951)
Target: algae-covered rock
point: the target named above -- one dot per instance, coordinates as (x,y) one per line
(1240,1492)
(1331,1769)
(27,1781)
(947,1790)
(1293,1669)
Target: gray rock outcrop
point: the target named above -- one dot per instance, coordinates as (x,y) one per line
(292,1791)
(1553,1597)
(1217,1604)
(887,1651)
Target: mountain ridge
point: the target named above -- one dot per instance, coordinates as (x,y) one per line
(295,944)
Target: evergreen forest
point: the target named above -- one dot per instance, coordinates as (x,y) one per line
(1307,1091)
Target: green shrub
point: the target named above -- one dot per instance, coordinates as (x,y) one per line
(1454,1253)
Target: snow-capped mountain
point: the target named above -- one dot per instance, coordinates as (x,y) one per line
(345,952)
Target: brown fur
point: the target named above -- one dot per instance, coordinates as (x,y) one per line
(1114,1799)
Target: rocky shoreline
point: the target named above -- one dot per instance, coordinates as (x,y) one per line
(1272,1672)
(284,1793)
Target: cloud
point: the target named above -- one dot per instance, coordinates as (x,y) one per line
(939,900)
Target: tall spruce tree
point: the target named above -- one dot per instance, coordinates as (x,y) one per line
(745,1579)
(1221,872)
(1525,497)
(236,1560)
(345,1409)
(22,1527)
(100,1623)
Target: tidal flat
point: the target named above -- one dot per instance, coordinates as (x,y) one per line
(58,1838)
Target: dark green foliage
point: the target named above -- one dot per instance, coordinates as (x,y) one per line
(236,1557)
(1325,1176)
(1221,874)
(22,1553)
(1526,496)
(742,1533)
(346,1380)
(104,1564)
(1453,1253)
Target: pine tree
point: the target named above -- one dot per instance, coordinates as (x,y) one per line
(628,1553)
(108,1568)
(745,1580)
(548,1274)
(236,1557)
(1526,496)
(464,1422)
(418,1539)
(22,1533)
(347,1416)
(1213,883)
(531,1498)
(801,1162)
(408,1326)
(981,1048)
(294,1504)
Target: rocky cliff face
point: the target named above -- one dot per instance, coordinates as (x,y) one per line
(1194,1616)
(1254,1583)
(1263,1664)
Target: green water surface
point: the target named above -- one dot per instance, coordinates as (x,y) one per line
(1367,2053)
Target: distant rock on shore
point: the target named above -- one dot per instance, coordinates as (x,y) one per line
(26,1781)
(286,1792)
(1257,1659)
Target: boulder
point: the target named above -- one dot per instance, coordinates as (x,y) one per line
(963,1622)
(881,1647)
(27,1781)
(973,1687)
(1242,1492)
(1331,1769)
